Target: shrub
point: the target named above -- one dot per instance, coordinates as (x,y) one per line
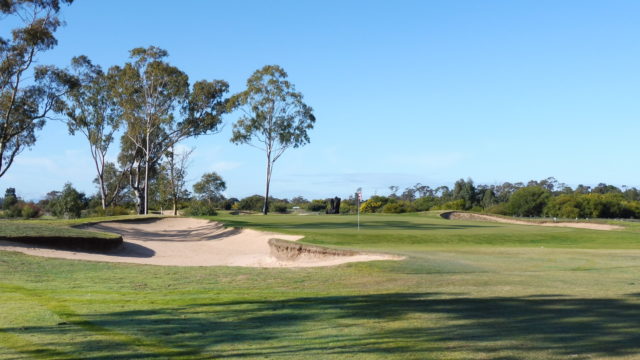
(10,199)
(397,208)
(317,205)
(30,211)
(498,209)
(452,205)
(200,208)
(69,203)
(346,208)
(374,204)
(253,203)
(425,203)
(279,207)
(528,201)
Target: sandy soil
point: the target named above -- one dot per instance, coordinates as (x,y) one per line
(480,217)
(191,242)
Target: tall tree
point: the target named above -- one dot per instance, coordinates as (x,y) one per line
(26,99)
(92,111)
(160,109)
(274,118)
(175,166)
(210,187)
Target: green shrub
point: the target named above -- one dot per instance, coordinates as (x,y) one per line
(30,211)
(252,203)
(397,208)
(200,208)
(498,209)
(14,211)
(425,203)
(452,205)
(346,208)
(528,201)
(317,205)
(279,207)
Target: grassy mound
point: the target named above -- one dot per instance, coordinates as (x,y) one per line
(61,234)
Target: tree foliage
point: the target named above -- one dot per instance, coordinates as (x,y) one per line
(210,187)
(25,103)
(160,109)
(274,117)
(93,112)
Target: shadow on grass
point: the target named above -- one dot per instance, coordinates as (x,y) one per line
(392,225)
(400,325)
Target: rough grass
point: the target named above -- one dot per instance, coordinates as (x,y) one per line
(467,291)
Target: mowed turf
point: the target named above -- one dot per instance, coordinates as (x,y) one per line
(467,290)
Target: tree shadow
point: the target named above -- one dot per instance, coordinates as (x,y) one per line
(400,325)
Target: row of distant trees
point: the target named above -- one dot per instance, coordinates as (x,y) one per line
(546,197)
(148,103)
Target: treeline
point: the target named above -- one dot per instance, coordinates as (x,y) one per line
(546,197)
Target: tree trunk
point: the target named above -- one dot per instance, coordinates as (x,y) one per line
(140,200)
(265,207)
(175,206)
(146,177)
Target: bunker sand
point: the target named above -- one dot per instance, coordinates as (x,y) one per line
(455,215)
(195,242)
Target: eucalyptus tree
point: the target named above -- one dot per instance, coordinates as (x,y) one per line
(28,97)
(210,187)
(275,117)
(93,112)
(175,166)
(160,109)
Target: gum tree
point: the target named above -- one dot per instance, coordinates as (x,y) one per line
(27,97)
(160,109)
(92,111)
(274,117)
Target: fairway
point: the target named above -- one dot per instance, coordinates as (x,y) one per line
(466,290)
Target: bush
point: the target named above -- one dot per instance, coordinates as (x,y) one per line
(30,211)
(200,208)
(317,205)
(374,204)
(452,205)
(528,201)
(252,203)
(346,208)
(397,208)
(425,203)
(498,209)
(69,203)
(279,207)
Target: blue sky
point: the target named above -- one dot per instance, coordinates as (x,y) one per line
(404,91)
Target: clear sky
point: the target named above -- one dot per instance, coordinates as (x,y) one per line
(403,91)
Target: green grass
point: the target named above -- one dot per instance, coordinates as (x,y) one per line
(468,290)
(57,228)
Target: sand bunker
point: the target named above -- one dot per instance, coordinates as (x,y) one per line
(196,242)
(455,215)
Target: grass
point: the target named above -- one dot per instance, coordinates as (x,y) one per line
(467,290)
(57,228)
